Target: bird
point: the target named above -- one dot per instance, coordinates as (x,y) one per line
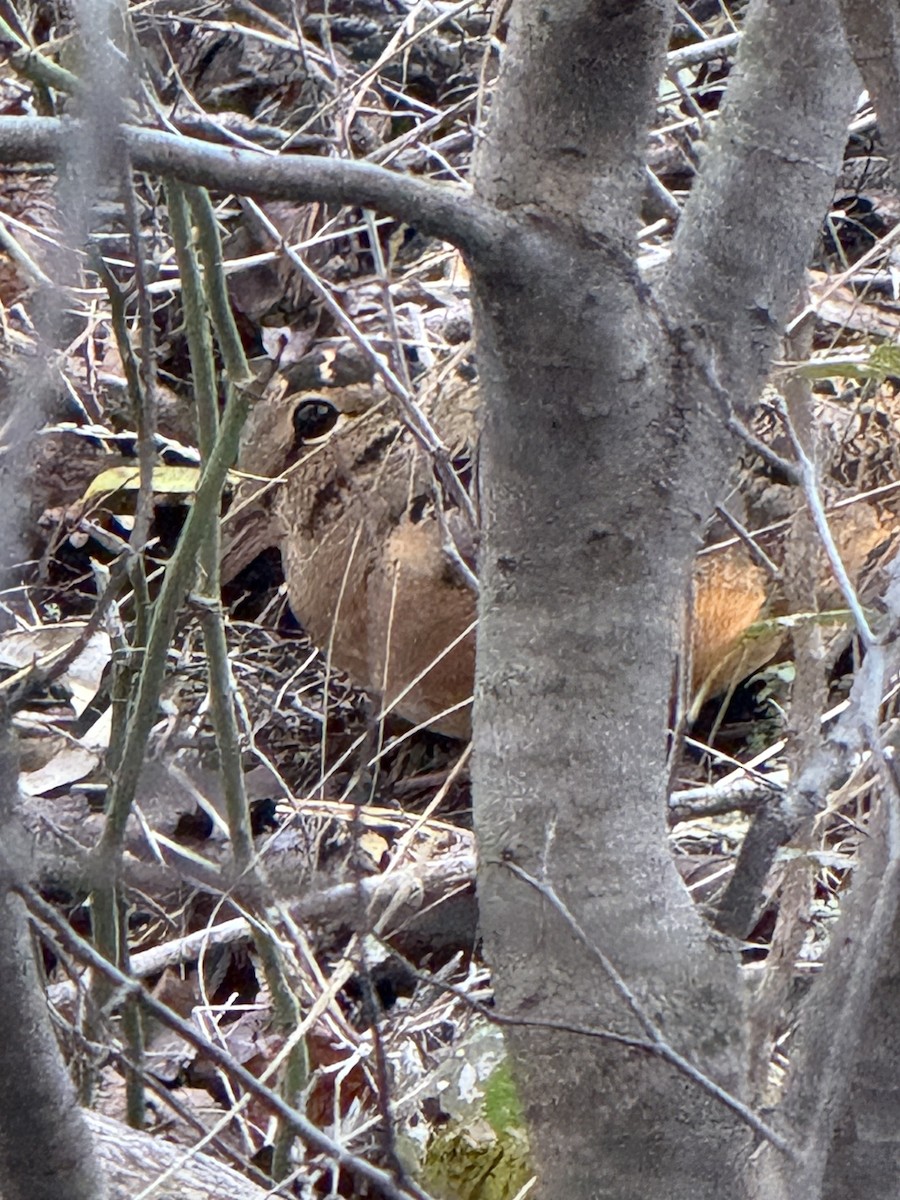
(377,555)
(739,616)
(737,597)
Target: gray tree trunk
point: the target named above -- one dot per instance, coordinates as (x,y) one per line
(609,405)
(864,1157)
(46,1150)
(604,448)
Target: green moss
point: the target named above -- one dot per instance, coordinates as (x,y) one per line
(501,1101)
(460,1167)
(477,1148)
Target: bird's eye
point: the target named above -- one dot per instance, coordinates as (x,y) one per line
(313,418)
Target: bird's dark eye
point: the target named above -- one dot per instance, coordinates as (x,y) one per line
(313,418)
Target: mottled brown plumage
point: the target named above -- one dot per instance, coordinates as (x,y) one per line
(354,512)
(731,593)
(352,504)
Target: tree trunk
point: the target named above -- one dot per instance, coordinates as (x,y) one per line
(864,1159)
(46,1150)
(604,448)
(611,401)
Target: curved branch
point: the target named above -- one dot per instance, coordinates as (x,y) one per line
(873,31)
(749,224)
(438,209)
(568,128)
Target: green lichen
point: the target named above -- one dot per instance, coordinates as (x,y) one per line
(487,1158)
(458,1167)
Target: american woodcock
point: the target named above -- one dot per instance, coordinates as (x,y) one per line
(351,499)
(371,542)
(734,596)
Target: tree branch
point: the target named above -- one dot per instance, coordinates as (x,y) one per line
(586,159)
(873,31)
(44,917)
(742,246)
(438,209)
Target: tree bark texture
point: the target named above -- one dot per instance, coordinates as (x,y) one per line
(864,1156)
(609,405)
(605,446)
(46,1150)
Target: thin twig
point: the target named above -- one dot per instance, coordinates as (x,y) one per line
(658,1043)
(809,481)
(701,52)
(756,551)
(769,456)
(414,418)
(17,251)
(44,916)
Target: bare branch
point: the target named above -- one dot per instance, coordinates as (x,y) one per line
(45,917)
(817,510)
(825,1053)
(586,159)
(873,31)
(739,253)
(441,210)
(701,52)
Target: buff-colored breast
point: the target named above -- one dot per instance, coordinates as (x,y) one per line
(355,514)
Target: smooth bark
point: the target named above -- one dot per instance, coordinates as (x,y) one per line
(605,445)
(441,210)
(610,406)
(46,1150)
(873,31)
(864,1157)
